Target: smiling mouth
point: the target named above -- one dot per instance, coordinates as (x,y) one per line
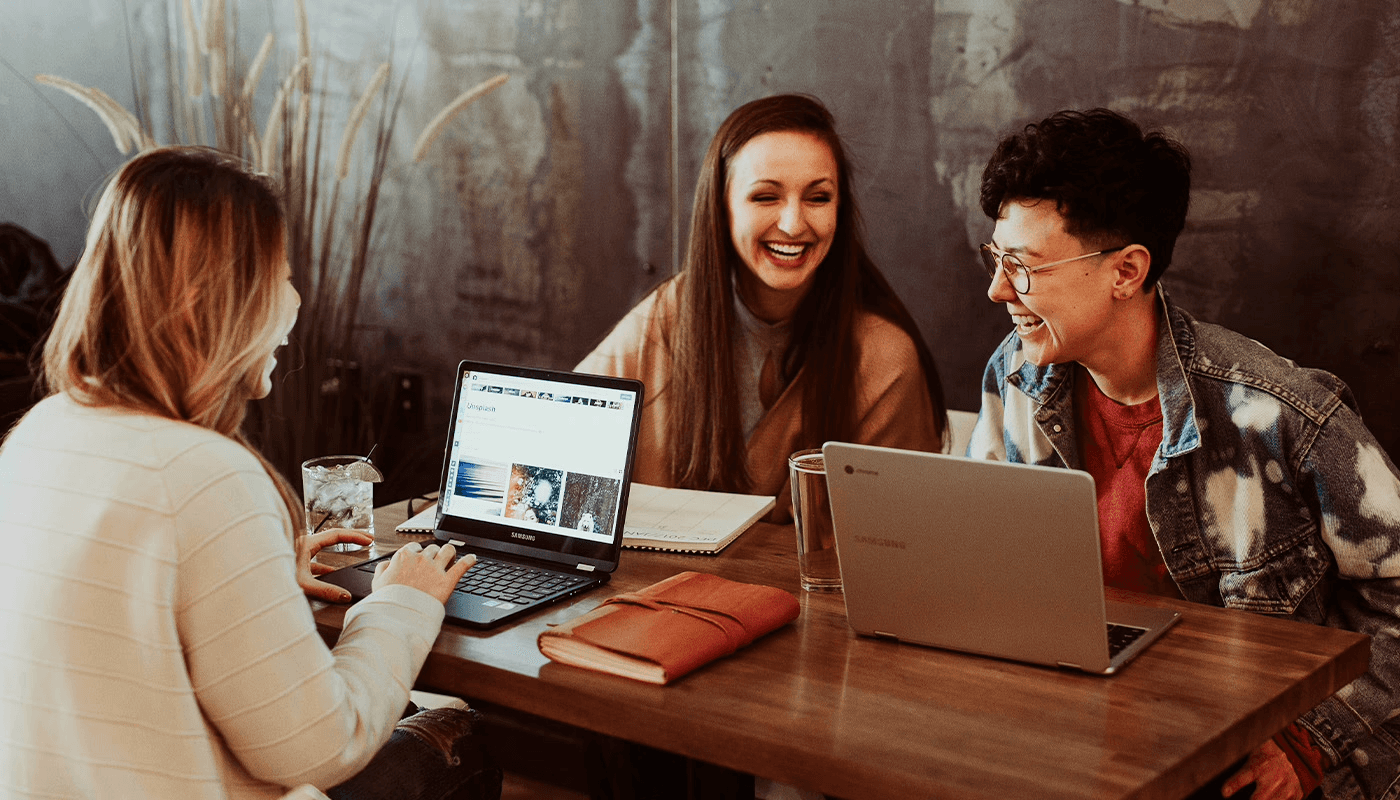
(786,251)
(1026,323)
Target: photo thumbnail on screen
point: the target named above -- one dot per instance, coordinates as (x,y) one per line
(534,494)
(482,485)
(590,503)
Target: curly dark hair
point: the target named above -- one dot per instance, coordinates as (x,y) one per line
(1113,184)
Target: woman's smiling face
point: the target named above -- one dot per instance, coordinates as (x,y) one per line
(782,194)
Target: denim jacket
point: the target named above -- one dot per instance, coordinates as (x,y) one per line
(1267,494)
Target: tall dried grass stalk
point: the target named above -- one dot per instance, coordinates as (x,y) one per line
(216,45)
(314,407)
(255,70)
(247,128)
(206,26)
(357,116)
(452,109)
(98,101)
(194,80)
(303,42)
(300,132)
(127,120)
(272,135)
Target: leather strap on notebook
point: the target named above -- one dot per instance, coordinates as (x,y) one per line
(715,618)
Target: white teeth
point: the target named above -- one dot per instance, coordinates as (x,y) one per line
(1025,321)
(786,250)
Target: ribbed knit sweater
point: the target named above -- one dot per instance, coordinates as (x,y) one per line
(153,639)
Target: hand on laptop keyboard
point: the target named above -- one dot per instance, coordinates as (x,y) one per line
(430,569)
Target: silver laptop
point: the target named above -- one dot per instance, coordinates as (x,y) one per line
(979,556)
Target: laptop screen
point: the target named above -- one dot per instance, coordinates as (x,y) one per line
(539,462)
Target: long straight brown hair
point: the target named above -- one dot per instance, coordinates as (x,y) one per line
(707,449)
(172,308)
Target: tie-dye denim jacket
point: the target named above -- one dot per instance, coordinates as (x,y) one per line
(1267,494)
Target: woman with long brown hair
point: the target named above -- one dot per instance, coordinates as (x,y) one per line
(157,642)
(779,333)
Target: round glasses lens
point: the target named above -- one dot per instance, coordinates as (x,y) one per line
(1019,275)
(989,263)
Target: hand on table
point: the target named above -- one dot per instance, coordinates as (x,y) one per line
(307,548)
(1271,773)
(427,568)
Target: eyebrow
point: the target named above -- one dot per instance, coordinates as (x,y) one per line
(1020,251)
(771,182)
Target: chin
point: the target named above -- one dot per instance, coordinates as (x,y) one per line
(1038,356)
(262,386)
(790,280)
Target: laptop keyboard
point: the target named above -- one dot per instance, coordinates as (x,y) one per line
(515,583)
(510,583)
(1120,636)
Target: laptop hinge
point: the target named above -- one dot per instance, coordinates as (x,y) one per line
(1063,665)
(883,635)
(584,567)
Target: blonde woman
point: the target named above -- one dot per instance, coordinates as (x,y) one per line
(156,641)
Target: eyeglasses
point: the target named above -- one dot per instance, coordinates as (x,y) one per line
(1017,273)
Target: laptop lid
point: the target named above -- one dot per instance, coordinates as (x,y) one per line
(985,557)
(538,464)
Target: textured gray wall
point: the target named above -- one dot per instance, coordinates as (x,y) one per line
(550,207)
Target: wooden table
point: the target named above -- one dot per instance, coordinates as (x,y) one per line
(816,706)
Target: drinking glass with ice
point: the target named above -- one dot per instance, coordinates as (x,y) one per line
(339,492)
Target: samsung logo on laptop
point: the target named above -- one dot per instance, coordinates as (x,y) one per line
(879,542)
(529,537)
(850,470)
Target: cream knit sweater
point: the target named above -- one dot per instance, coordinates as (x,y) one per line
(153,640)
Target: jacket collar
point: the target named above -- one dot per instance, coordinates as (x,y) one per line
(1176,345)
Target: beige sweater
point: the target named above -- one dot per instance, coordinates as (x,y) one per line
(892,400)
(153,640)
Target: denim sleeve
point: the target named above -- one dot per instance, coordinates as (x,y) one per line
(1357,492)
(988,435)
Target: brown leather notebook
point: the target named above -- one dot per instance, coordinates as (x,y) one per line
(670,628)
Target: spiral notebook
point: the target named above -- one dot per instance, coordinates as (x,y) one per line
(675,520)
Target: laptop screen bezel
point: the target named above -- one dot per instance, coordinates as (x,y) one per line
(503,537)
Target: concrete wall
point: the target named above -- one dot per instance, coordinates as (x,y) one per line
(552,206)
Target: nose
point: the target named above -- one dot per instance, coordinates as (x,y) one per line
(792,220)
(1001,290)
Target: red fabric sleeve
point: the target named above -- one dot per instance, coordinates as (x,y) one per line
(1308,761)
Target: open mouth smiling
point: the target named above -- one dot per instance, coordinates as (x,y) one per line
(1026,323)
(786,251)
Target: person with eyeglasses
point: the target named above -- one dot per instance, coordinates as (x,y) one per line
(1225,474)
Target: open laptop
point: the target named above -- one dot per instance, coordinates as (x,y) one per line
(535,478)
(985,557)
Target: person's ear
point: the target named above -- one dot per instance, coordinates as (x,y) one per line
(1130,271)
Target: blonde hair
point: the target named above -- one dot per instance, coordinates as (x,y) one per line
(172,309)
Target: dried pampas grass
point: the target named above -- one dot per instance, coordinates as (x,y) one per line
(452,109)
(272,134)
(303,42)
(125,131)
(194,81)
(329,239)
(216,45)
(357,116)
(255,70)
